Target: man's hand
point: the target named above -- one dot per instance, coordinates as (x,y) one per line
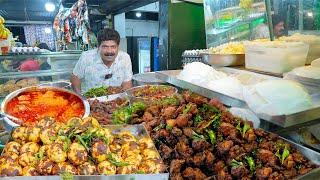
(76,84)
(126,85)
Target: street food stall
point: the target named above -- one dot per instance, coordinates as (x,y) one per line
(245,109)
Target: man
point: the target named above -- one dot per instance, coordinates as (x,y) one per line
(105,66)
(262,31)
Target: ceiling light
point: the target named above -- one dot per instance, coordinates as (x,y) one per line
(310,14)
(138,14)
(47,30)
(50,7)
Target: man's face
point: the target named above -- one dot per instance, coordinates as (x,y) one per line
(278,29)
(108,50)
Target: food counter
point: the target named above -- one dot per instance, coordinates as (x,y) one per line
(22,70)
(189,131)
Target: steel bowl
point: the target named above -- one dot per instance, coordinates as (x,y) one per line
(146,100)
(222,60)
(12,122)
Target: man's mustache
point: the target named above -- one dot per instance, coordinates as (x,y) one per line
(109,54)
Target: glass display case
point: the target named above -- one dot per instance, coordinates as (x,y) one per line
(232,20)
(21,70)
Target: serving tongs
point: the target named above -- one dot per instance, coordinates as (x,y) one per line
(14,119)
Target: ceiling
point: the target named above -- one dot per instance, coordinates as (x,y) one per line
(33,10)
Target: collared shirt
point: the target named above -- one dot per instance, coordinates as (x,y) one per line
(92,71)
(261,32)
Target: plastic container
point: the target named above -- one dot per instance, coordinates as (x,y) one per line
(312,40)
(275,57)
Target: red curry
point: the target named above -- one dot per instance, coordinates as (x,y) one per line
(35,105)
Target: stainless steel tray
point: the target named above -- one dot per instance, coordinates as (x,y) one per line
(138,131)
(220,60)
(164,176)
(310,116)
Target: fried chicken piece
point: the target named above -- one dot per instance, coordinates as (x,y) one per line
(218,166)
(194,98)
(267,157)
(147,116)
(169,112)
(276,176)
(263,173)
(193,173)
(239,171)
(289,162)
(176,132)
(217,103)
(250,136)
(260,132)
(176,176)
(298,157)
(235,152)
(182,120)
(268,145)
(188,132)
(175,165)
(228,129)
(289,174)
(183,150)
(224,146)
(155,110)
(223,175)
(165,151)
(209,158)
(200,145)
(250,147)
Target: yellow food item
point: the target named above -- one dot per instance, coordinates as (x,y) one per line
(33,134)
(29,171)
(246,4)
(107,168)
(87,169)
(12,147)
(20,134)
(77,154)
(9,169)
(2,21)
(56,153)
(27,159)
(64,167)
(100,151)
(228,48)
(30,147)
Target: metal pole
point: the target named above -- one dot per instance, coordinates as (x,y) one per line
(300,15)
(269,18)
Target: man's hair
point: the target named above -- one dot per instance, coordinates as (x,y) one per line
(108,34)
(276,19)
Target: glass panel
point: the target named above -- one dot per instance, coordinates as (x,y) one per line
(232,20)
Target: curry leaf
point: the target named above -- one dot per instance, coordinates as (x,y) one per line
(251,163)
(236,164)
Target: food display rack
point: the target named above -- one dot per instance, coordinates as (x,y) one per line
(292,121)
(95,177)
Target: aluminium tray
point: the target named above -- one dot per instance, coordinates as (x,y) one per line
(310,116)
(138,131)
